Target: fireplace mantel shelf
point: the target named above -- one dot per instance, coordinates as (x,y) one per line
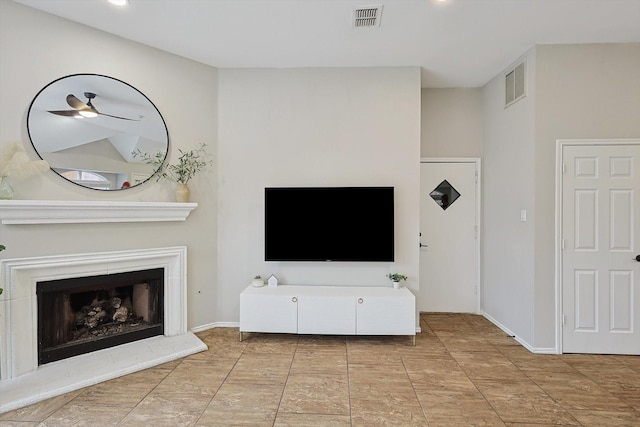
(74,212)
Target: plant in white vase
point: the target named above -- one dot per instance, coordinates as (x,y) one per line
(396,279)
(189,164)
(257,281)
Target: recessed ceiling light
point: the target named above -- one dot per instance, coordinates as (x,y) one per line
(119,2)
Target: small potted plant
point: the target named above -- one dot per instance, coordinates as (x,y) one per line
(396,279)
(189,164)
(257,281)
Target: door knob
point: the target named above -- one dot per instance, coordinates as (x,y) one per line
(637,258)
(426,246)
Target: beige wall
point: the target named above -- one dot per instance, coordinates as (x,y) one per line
(314,127)
(325,127)
(37,48)
(508,180)
(575,92)
(280,127)
(451,122)
(583,92)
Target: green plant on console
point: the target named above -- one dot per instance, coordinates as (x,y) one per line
(395,277)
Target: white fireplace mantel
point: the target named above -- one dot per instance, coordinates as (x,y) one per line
(23,381)
(73,212)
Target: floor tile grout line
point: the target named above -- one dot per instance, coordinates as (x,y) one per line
(286,381)
(567,409)
(346,351)
(244,347)
(424,412)
(530,379)
(84,390)
(150,391)
(471,380)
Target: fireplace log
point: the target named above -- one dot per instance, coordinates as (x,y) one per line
(94,316)
(121,314)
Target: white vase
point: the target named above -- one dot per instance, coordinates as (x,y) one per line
(183,194)
(6,192)
(396,285)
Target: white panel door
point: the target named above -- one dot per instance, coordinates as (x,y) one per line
(448,236)
(599,211)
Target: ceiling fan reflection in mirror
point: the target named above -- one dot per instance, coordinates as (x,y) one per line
(84,110)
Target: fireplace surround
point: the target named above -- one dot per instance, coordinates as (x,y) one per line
(24,381)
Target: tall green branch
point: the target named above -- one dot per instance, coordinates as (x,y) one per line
(189,164)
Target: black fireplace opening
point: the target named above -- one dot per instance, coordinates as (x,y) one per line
(84,314)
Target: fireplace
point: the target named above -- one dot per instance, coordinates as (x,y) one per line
(84,314)
(156,278)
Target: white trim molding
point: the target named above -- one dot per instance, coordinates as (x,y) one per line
(74,212)
(478,162)
(532,349)
(560,144)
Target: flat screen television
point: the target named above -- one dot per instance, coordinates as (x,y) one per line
(329,224)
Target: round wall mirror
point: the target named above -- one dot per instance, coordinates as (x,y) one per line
(88,127)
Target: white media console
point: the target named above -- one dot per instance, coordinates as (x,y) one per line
(331,310)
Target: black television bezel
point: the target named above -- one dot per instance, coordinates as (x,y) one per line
(389,257)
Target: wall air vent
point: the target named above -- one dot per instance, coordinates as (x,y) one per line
(367,16)
(515,84)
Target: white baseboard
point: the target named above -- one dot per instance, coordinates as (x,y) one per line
(215,325)
(532,349)
(237,325)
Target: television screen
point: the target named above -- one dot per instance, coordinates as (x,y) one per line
(329,224)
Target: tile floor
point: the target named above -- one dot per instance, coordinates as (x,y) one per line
(462,371)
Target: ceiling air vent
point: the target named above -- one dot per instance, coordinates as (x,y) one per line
(515,84)
(367,16)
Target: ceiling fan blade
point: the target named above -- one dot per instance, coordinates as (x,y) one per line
(121,118)
(68,113)
(76,103)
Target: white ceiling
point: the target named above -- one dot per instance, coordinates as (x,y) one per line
(458,43)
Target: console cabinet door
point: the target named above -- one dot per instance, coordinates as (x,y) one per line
(268,313)
(326,315)
(381,315)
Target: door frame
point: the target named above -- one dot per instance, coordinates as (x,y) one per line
(559,261)
(478,187)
